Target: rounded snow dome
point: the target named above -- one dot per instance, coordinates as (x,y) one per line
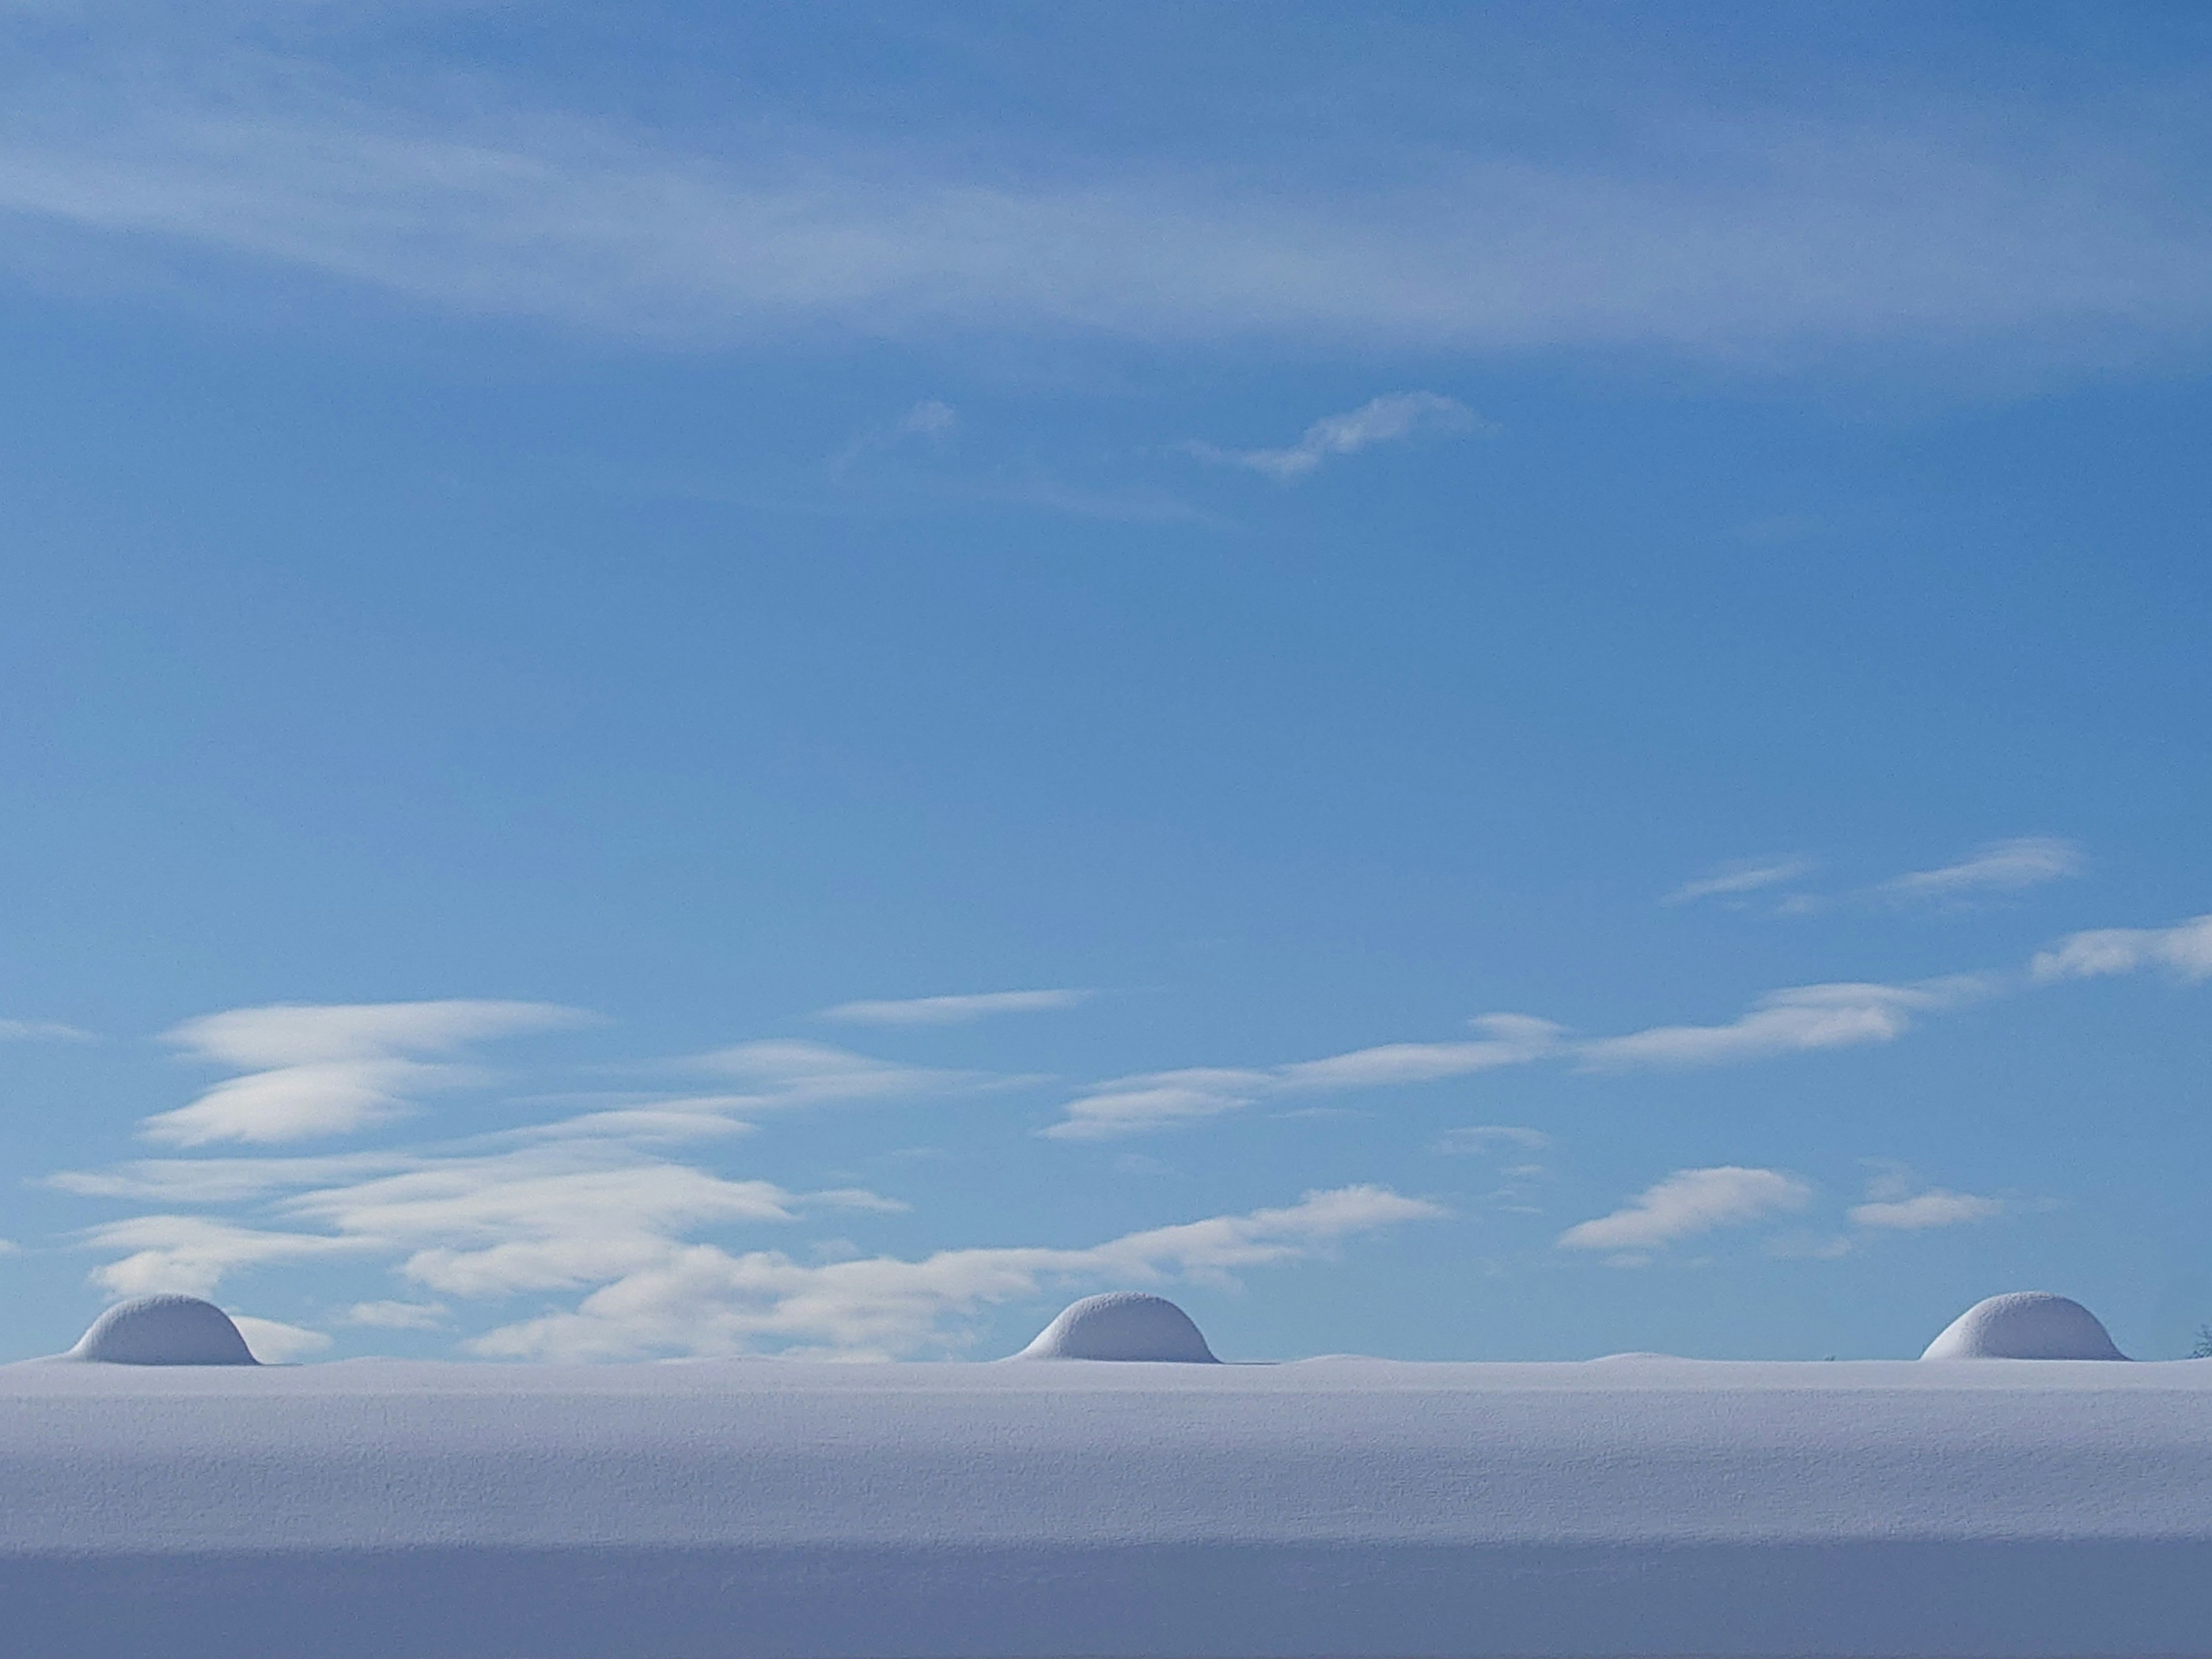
(1122,1325)
(2025,1325)
(164,1330)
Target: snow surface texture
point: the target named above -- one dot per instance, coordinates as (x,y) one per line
(163,1330)
(1125,1325)
(2025,1325)
(773,1509)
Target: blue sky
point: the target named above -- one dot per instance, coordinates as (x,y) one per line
(1494,685)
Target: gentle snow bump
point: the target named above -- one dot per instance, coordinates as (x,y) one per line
(164,1330)
(1122,1325)
(2025,1325)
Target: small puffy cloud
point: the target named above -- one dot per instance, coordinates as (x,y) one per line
(1934,1208)
(1381,420)
(2184,949)
(332,1068)
(1508,1040)
(1782,1021)
(397,1315)
(274,1343)
(2001,866)
(1735,879)
(41,1030)
(1688,1202)
(954,1010)
(929,419)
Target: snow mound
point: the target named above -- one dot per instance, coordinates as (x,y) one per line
(164,1330)
(1122,1325)
(2025,1325)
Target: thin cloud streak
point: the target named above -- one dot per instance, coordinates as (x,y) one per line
(1935,1207)
(1689,1202)
(41,1030)
(1388,419)
(1780,241)
(1739,878)
(2004,867)
(1806,1016)
(1160,1099)
(956,1010)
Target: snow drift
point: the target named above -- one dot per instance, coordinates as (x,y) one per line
(1122,1325)
(163,1330)
(2025,1325)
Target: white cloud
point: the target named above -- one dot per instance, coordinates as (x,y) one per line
(2185,949)
(1161,1100)
(41,1030)
(1688,1202)
(2001,866)
(702,1300)
(191,1255)
(1157,1100)
(954,1010)
(544,1219)
(1934,1208)
(332,1068)
(2022,227)
(398,1316)
(1745,878)
(784,1073)
(273,1343)
(929,419)
(1380,420)
(308,1034)
(1482,1138)
(1781,1022)
(223,1180)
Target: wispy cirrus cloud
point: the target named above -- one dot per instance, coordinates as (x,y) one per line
(2003,867)
(1937,1207)
(767,1078)
(41,1030)
(1482,1138)
(330,1069)
(956,1010)
(705,1300)
(2024,229)
(1687,1203)
(1732,880)
(1805,1017)
(465,1223)
(192,1254)
(398,1316)
(2184,949)
(1388,419)
(1899,1200)
(1161,1100)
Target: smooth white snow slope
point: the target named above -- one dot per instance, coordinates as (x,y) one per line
(2025,1325)
(1122,1325)
(406,1510)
